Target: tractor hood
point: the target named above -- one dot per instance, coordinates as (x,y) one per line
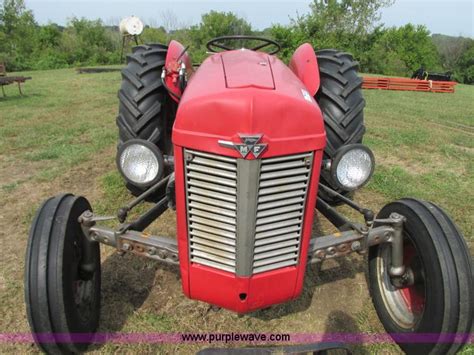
(247,92)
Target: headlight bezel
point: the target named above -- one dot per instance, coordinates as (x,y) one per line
(340,154)
(156,153)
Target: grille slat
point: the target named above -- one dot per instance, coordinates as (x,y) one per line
(274,246)
(210,263)
(212,230)
(212,209)
(212,178)
(212,156)
(211,223)
(282,166)
(214,189)
(276,239)
(213,251)
(282,173)
(212,171)
(213,238)
(282,195)
(213,244)
(214,164)
(277,225)
(215,195)
(282,217)
(283,188)
(284,181)
(276,259)
(270,267)
(273,211)
(276,252)
(276,232)
(215,258)
(213,216)
(273,205)
(297,157)
(210,201)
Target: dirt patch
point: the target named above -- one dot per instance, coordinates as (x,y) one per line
(14,171)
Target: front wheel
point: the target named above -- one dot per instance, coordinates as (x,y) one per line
(62,277)
(439,300)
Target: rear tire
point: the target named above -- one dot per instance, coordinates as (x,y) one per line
(342,104)
(441,299)
(145,110)
(61,297)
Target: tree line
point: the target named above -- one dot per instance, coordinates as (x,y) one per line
(349,25)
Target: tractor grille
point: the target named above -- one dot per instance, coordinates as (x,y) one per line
(212,204)
(270,236)
(281,199)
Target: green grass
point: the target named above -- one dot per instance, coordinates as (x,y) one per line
(423,144)
(61,135)
(63,119)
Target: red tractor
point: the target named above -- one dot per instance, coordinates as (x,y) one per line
(245,148)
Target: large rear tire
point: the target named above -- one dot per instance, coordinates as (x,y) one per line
(342,104)
(62,296)
(145,109)
(440,302)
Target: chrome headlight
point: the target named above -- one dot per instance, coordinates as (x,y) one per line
(352,166)
(140,162)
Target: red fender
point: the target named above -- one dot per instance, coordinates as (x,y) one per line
(305,66)
(174,59)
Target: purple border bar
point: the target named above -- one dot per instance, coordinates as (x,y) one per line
(246,338)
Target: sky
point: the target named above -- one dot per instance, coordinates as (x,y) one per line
(451,17)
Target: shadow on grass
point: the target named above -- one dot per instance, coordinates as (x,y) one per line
(17,97)
(341,322)
(126,283)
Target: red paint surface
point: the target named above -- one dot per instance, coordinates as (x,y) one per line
(209,111)
(305,66)
(255,65)
(414,295)
(174,58)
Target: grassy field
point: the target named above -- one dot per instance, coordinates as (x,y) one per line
(61,137)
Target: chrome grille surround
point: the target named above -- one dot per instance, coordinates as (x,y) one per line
(265,232)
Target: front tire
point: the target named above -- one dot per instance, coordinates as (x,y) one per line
(61,297)
(441,299)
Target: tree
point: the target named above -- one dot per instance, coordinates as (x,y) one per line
(344,24)
(450,49)
(215,24)
(400,51)
(87,42)
(18,32)
(464,71)
(289,37)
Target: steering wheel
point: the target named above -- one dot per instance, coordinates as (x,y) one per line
(215,44)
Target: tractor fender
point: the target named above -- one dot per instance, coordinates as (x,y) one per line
(175,57)
(305,66)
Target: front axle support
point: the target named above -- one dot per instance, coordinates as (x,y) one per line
(330,246)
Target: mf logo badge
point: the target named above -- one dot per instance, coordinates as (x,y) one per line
(249,144)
